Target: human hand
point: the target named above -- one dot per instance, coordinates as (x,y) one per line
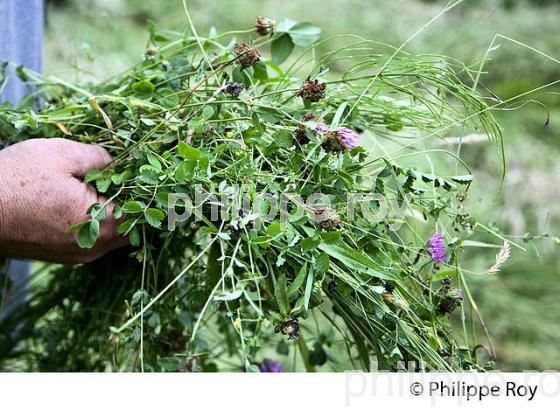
(42,195)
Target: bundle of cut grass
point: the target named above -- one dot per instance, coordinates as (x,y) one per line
(259,223)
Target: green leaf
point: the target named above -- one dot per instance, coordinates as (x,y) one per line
(169,364)
(154,162)
(132,207)
(331,237)
(285,25)
(338,115)
(143,89)
(167,97)
(162,198)
(298,281)
(208,112)
(76,227)
(154,217)
(126,226)
(442,274)
(257,123)
(309,244)
(355,260)
(185,171)
(148,174)
(478,244)
(281,48)
(281,295)
(98,212)
(147,121)
(103,184)
(154,320)
(274,229)
(88,234)
(321,263)
(119,179)
(188,152)
(134,237)
(261,72)
(304,33)
(283,138)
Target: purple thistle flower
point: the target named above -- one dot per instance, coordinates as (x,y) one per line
(436,248)
(271,366)
(347,137)
(321,128)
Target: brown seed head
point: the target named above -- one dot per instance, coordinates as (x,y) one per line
(246,55)
(327,218)
(301,135)
(264,26)
(312,90)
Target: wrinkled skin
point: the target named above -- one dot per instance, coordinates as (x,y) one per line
(42,194)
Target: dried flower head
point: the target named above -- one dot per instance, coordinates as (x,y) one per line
(451,297)
(309,116)
(327,218)
(151,51)
(271,366)
(290,328)
(246,55)
(312,90)
(233,88)
(301,134)
(264,26)
(450,301)
(436,248)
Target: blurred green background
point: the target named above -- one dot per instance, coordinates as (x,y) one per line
(521,304)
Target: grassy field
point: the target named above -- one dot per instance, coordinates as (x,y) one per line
(520,304)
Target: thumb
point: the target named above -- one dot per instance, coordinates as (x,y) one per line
(81,158)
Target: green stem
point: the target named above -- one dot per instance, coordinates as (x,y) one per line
(305,355)
(213,267)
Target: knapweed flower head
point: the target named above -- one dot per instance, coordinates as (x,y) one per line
(312,90)
(271,366)
(264,26)
(436,248)
(246,55)
(338,140)
(347,137)
(321,128)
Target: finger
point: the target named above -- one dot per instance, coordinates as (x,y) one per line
(82,158)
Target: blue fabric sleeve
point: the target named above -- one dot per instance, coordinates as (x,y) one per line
(21,41)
